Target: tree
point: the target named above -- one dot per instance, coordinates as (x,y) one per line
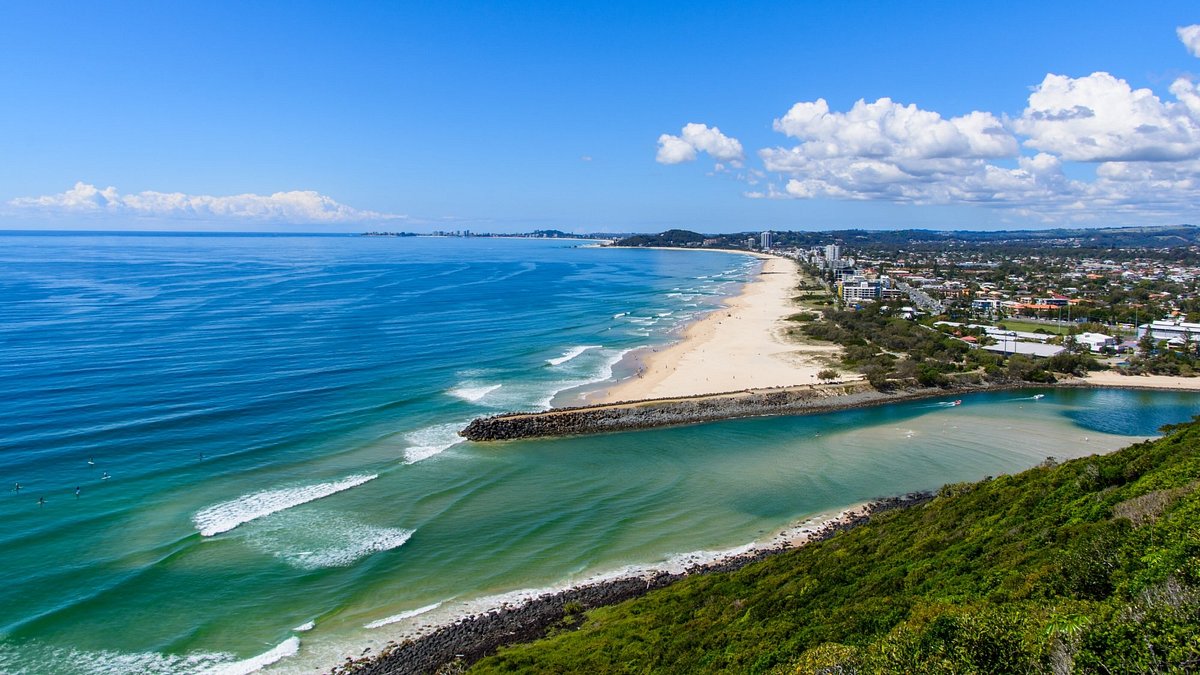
(1146,344)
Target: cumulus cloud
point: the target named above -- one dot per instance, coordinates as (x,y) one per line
(1190,36)
(1142,147)
(888,130)
(1100,118)
(884,150)
(297,206)
(696,138)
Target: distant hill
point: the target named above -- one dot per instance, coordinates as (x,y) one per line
(1085,239)
(1092,566)
(685,238)
(1082,238)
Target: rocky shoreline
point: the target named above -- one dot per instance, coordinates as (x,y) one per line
(455,647)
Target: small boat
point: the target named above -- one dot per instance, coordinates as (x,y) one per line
(957,402)
(1037,397)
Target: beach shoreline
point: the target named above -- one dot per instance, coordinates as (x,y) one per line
(1115,380)
(741,345)
(467,638)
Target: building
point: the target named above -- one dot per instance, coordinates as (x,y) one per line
(1009,346)
(989,305)
(844,273)
(766,240)
(1096,341)
(1052,301)
(1170,330)
(833,253)
(857,289)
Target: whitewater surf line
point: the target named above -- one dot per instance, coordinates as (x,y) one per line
(225,516)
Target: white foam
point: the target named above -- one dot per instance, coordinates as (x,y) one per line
(289,647)
(309,539)
(403,615)
(570,354)
(474,393)
(225,516)
(305,627)
(432,441)
(373,540)
(617,316)
(68,661)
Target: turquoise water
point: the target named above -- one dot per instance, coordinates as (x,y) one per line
(276,416)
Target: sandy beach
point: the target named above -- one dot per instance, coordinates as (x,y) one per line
(743,345)
(1109,378)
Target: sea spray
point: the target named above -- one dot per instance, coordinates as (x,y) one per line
(432,440)
(309,539)
(289,647)
(473,392)
(396,618)
(571,354)
(226,516)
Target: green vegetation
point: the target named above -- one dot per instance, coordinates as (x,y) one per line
(684,238)
(1157,357)
(893,351)
(1090,566)
(1033,327)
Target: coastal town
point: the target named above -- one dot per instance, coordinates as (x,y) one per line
(1125,299)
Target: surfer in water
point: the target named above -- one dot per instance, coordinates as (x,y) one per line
(105,476)
(77,492)
(16,487)
(41,502)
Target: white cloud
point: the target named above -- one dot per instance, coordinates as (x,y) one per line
(1101,118)
(297,206)
(674,150)
(889,151)
(1190,36)
(696,138)
(1143,150)
(888,130)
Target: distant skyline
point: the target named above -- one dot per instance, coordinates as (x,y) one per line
(614,116)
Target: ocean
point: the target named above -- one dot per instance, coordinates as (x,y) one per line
(247,444)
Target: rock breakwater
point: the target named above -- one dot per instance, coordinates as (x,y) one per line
(666,412)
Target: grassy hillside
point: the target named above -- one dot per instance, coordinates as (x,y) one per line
(1088,566)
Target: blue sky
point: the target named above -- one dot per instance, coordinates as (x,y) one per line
(509,117)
